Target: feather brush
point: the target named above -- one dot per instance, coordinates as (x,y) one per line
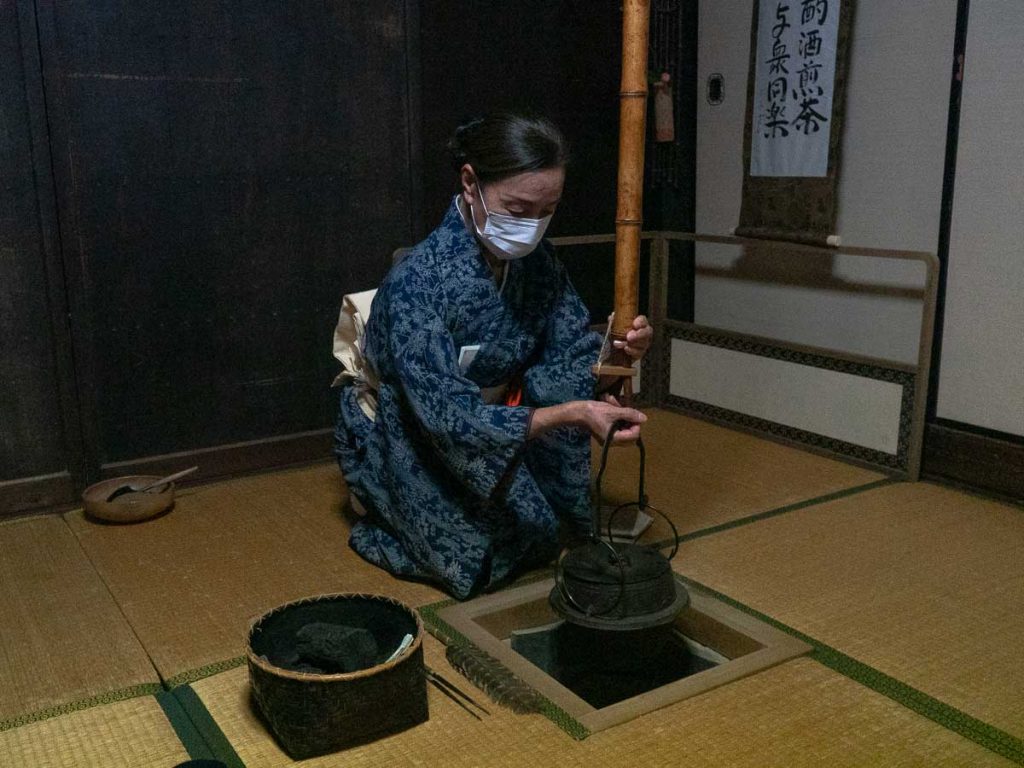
(490,676)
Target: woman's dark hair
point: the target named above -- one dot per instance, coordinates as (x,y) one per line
(505,144)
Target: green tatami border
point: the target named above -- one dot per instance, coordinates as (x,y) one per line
(111,697)
(770,513)
(184,728)
(199,673)
(213,738)
(949,717)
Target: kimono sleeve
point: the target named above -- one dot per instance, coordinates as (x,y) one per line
(562,371)
(476,441)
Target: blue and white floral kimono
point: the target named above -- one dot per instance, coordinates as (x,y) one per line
(455,494)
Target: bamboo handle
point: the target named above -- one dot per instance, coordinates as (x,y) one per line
(632,135)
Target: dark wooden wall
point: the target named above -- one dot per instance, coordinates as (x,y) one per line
(31,441)
(36,438)
(188,188)
(226,172)
(221,174)
(558,59)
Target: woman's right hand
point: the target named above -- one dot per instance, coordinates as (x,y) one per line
(599,415)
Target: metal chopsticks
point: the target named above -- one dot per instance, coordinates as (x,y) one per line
(454,693)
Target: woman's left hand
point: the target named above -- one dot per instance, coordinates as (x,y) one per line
(638,339)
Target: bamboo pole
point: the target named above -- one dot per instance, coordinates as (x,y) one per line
(632,135)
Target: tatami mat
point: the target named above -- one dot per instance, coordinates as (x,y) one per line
(921,582)
(128,734)
(190,581)
(703,475)
(62,637)
(798,714)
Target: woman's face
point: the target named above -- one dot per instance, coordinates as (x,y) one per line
(529,195)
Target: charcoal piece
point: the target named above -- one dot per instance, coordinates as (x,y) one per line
(335,647)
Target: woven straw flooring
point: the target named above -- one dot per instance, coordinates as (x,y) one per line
(191,581)
(921,582)
(232,550)
(131,733)
(798,714)
(63,639)
(702,475)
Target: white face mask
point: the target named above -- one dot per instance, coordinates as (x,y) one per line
(509,237)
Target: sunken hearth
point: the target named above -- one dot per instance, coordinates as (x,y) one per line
(602,678)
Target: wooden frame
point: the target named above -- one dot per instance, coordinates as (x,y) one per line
(961,454)
(914,378)
(234,459)
(749,644)
(29,495)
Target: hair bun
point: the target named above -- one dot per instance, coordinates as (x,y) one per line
(457,143)
(503,144)
(468,125)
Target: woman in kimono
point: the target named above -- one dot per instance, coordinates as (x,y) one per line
(479,449)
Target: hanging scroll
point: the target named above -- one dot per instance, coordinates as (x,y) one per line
(795,100)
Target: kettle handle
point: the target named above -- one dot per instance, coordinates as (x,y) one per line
(595,522)
(641,496)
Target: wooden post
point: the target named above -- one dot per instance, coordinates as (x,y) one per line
(636,16)
(632,135)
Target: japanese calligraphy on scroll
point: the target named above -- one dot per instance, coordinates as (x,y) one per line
(799,57)
(796,61)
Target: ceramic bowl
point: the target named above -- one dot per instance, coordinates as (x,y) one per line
(129,507)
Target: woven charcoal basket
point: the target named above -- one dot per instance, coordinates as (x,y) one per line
(315,714)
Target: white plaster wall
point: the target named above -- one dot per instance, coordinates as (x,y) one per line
(812,399)
(890,185)
(981,380)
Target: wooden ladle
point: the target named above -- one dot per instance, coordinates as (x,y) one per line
(121,490)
